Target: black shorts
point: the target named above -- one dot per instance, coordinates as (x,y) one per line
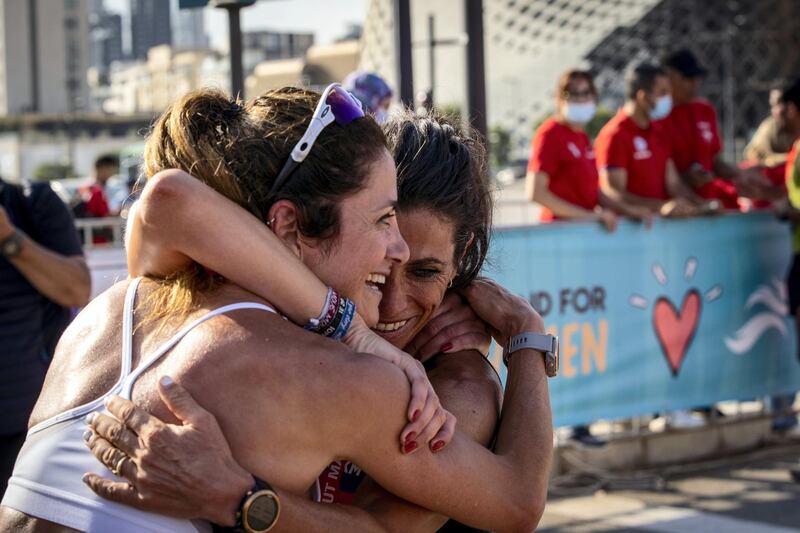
(794,285)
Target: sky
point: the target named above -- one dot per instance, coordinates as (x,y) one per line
(328,19)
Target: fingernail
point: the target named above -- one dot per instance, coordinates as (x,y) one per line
(411,436)
(415,416)
(438,445)
(107,401)
(87,435)
(90,418)
(410,447)
(166,381)
(85,478)
(446,346)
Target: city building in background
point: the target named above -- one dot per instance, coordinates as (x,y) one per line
(105,38)
(321,65)
(528,43)
(150,26)
(266,45)
(44,56)
(150,86)
(188,28)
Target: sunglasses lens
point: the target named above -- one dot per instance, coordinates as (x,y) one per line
(344,106)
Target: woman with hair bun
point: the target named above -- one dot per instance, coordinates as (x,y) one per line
(287,401)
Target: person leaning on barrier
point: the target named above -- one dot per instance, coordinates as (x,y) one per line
(562,175)
(772,141)
(696,145)
(634,153)
(42,275)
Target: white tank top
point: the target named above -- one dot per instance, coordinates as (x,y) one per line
(46,482)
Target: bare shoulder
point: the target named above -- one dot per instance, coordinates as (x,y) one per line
(465,368)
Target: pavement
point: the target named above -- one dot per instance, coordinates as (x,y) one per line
(752,493)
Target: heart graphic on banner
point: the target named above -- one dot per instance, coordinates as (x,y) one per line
(674,329)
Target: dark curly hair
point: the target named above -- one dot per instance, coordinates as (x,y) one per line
(441,166)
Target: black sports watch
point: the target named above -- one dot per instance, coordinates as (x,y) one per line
(546,344)
(11,246)
(259,510)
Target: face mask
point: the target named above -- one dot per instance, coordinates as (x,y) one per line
(662,108)
(579,113)
(381,116)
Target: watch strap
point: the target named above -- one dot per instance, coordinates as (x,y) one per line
(541,342)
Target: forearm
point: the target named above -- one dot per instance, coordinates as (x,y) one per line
(624,197)
(724,170)
(64,280)
(179,217)
(617,205)
(677,188)
(302,514)
(563,209)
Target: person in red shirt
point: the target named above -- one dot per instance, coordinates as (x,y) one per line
(634,154)
(94,195)
(696,146)
(562,175)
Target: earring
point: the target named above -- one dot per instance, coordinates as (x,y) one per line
(450,284)
(270,222)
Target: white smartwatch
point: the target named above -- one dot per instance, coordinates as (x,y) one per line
(541,342)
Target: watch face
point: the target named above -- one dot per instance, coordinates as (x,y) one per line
(11,247)
(262,511)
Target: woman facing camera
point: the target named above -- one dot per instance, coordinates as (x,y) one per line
(287,401)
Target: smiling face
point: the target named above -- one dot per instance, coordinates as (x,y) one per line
(414,290)
(368,245)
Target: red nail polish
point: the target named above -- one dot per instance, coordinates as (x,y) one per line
(410,447)
(438,445)
(446,346)
(411,436)
(415,416)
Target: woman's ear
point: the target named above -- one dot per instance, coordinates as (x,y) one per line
(283,222)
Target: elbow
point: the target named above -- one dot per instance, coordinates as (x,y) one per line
(164,194)
(527,513)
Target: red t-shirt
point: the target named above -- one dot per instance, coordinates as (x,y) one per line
(694,135)
(567,157)
(96,203)
(642,152)
(692,130)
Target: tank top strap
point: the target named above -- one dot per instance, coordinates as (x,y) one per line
(125,365)
(127,329)
(127,383)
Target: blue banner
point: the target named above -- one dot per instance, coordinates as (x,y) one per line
(685,314)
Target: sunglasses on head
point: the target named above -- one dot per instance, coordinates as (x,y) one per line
(335,104)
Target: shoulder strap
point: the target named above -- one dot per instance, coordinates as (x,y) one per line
(127,329)
(127,384)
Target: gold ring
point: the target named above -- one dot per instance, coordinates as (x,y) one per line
(117,470)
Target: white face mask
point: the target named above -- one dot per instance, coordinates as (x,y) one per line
(662,109)
(579,113)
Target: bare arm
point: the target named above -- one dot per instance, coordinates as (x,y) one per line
(503,491)
(63,279)
(614,182)
(676,188)
(537,189)
(178,218)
